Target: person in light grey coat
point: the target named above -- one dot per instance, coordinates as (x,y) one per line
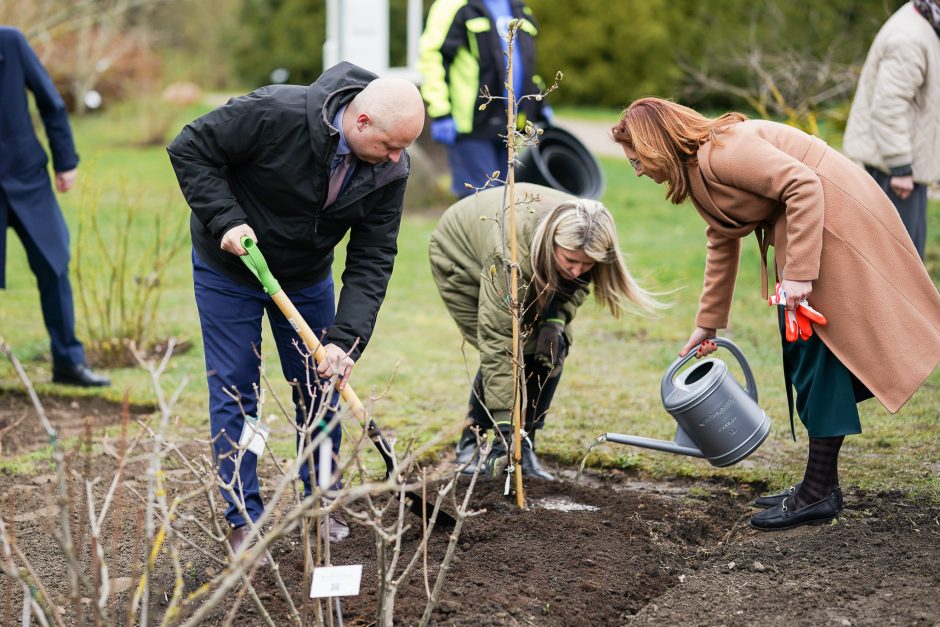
(894,124)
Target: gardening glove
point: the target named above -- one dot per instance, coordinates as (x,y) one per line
(550,346)
(797,322)
(444,131)
(805,315)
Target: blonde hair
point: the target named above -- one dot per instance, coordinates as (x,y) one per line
(586,225)
(666,136)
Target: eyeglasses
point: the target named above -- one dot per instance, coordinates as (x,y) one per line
(636,164)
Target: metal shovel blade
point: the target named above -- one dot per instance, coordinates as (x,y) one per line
(415,502)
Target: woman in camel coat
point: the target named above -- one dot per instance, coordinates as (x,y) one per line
(838,241)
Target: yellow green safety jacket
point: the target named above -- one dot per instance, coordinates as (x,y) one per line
(461,53)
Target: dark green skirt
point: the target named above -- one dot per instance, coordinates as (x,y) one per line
(826,391)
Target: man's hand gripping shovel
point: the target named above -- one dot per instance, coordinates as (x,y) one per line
(797,322)
(255,262)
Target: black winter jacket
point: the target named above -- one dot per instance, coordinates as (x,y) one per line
(264,160)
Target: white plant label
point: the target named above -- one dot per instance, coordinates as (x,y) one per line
(336,581)
(254,435)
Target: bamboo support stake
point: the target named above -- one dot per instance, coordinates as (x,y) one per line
(9,511)
(515,302)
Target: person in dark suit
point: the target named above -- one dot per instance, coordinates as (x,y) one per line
(28,204)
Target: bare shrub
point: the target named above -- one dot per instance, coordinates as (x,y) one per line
(98,579)
(120,277)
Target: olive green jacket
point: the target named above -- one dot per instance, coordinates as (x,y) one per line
(467,251)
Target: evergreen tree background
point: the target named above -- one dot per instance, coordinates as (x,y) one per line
(610,51)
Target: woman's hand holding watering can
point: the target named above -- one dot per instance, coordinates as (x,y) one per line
(701,338)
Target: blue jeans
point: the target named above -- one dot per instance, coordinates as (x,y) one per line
(471,160)
(230,316)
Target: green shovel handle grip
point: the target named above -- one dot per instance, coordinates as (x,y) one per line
(259,267)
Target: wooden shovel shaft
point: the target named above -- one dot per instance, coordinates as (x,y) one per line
(256,263)
(351,399)
(349,396)
(313,344)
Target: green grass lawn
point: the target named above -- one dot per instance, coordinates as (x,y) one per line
(611,380)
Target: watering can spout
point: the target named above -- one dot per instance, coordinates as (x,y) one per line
(658,445)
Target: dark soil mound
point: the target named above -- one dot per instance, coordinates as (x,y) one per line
(609,549)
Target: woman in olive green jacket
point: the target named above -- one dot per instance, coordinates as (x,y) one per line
(565,244)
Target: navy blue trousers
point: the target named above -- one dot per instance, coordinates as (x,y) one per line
(55,296)
(471,160)
(230,316)
(913,209)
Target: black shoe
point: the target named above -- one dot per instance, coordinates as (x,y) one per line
(79,374)
(785,515)
(467,451)
(530,464)
(771,500)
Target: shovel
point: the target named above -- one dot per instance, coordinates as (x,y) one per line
(259,267)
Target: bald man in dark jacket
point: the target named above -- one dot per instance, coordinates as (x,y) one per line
(295,168)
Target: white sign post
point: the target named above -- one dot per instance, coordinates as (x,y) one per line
(358,31)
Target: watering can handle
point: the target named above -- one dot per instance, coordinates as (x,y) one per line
(667,385)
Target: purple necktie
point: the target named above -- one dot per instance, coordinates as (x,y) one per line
(336,179)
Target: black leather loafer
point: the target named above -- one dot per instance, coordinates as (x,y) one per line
(79,374)
(771,500)
(784,515)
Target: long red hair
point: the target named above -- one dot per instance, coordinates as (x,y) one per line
(666,136)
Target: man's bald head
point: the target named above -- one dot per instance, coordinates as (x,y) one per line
(383,119)
(392,103)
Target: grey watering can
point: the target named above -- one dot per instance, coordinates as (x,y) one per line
(717,419)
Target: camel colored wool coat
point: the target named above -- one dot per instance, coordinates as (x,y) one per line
(831,224)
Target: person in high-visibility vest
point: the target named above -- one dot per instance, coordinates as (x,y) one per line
(463,51)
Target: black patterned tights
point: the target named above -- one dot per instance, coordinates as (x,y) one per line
(822,470)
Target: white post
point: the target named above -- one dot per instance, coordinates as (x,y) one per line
(357,31)
(415,26)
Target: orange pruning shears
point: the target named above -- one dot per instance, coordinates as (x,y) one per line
(797,322)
